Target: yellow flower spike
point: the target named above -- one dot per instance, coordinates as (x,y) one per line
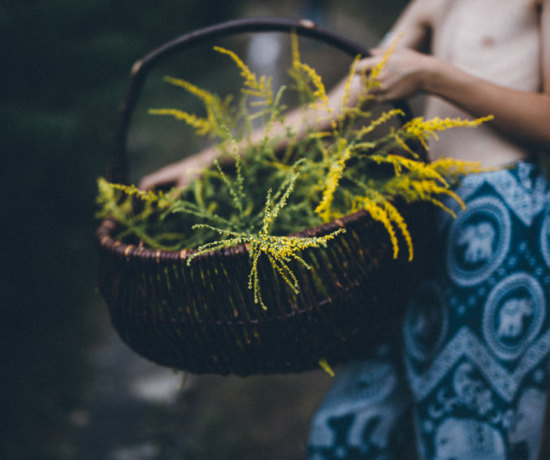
(394,215)
(202,125)
(258,88)
(406,148)
(351,74)
(333,178)
(383,118)
(295,49)
(423,129)
(214,106)
(250,77)
(453,167)
(320,91)
(326,367)
(375,71)
(381,215)
(202,94)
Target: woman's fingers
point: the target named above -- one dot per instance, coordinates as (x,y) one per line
(367,64)
(401,75)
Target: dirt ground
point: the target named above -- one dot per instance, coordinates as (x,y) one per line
(136,410)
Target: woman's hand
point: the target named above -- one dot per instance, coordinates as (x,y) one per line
(404,74)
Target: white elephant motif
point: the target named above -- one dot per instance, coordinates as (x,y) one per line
(478,239)
(465,439)
(511,317)
(370,393)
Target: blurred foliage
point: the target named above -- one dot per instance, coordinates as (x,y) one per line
(378,14)
(254,418)
(63,74)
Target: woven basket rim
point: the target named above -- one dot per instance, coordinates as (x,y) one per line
(109,243)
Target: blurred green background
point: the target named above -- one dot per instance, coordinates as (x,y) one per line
(63,74)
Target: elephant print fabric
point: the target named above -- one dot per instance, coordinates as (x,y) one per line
(362,416)
(476,339)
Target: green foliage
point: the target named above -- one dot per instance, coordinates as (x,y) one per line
(267,194)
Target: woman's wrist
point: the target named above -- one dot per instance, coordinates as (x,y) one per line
(442,79)
(432,76)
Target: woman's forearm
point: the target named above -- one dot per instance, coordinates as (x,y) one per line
(520,115)
(316,117)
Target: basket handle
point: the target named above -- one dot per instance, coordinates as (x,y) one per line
(117,170)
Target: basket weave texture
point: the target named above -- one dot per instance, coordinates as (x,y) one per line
(201,317)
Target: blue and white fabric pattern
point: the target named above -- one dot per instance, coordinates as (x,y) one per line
(361,415)
(477,333)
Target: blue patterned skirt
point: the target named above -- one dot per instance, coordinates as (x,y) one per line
(473,361)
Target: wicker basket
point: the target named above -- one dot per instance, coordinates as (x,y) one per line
(202,317)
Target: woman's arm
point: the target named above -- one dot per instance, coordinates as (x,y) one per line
(521,116)
(300,121)
(414,30)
